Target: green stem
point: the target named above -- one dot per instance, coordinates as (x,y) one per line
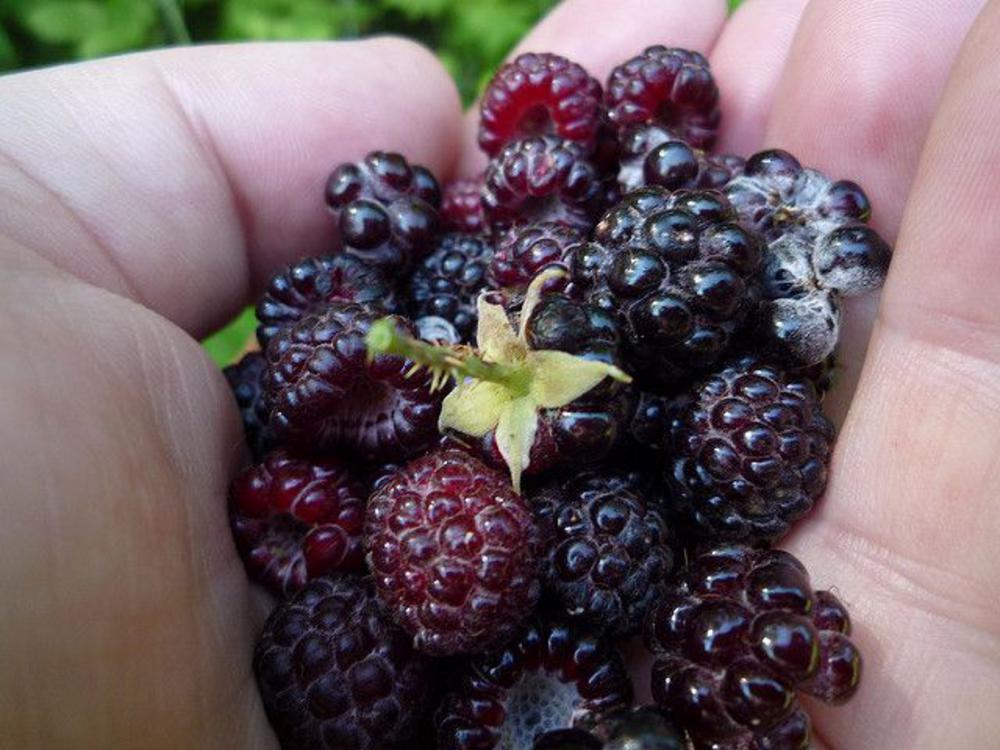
(384,337)
(173,21)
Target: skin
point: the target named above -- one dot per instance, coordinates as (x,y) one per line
(144,199)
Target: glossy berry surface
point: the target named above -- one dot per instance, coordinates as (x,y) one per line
(607,551)
(776,195)
(452,551)
(751,450)
(552,676)
(310,285)
(588,428)
(737,635)
(334,674)
(542,178)
(294,519)
(323,392)
(246,380)
(654,155)
(677,271)
(462,207)
(525,251)
(638,728)
(667,86)
(447,283)
(386,209)
(538,94)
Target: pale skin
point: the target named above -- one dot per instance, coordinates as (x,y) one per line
(143,200)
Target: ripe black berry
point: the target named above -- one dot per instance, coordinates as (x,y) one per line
(653,155)
(246,380)
(739,632)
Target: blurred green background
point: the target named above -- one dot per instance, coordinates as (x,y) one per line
(470,36)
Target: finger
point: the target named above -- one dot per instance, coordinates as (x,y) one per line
(599,35)
(856,99)
(912,519)
(747,62)
(182,178)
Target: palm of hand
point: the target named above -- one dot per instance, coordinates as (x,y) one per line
(130,621)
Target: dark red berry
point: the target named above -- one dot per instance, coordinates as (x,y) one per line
(334,674)
(294,519)
(738,633)
(526,250)
(606,550)
(542,178)
(386,208)
(538,94)
(553,676)
(462,207)
(324,392)
(776,195)
(587,429)
(451,548)
(678,271)
(246,379)
(310,285)
(667,86)
(653,155)
(750,453)
(447,283)
(639,728)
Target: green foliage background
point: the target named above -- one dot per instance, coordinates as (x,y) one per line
(470,36)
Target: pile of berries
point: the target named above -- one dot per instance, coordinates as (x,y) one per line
(575,399)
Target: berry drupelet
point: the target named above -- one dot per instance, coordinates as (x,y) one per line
(677,271)
(606,550)
(447,283)
(653,155)
(667,86)
(552,676)
(462,206)
(324,391)
(537,94)
(525,251)
(542,178)
(751,449)
(246,380)
(334,674)
(310,285)
(452,551)
(739,632)
(387,210)
(639,728)
(294,519)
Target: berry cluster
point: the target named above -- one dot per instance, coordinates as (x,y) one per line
(574,398)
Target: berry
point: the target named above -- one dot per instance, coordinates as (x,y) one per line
(437,330)
(294,519)
(653,155)
(678,271)
(738,633)
(447,283)
(324,392)
(553,676)
(451,548)
(525,251)
(606,550)
(462,207)
(803,281)
(542,178)
(667,86)
(776,195)
(589,427)
(334,674)
(310,285)
(751,449)
(640,728)
(386,209)
(538,94)
(246,380)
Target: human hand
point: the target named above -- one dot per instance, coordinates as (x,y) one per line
(145,198)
